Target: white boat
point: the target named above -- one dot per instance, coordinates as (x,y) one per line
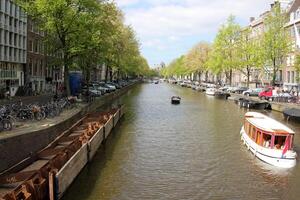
(211,91)
(269,140)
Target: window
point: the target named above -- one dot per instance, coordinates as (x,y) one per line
(259,138)
(266,140)
(279,142)
(252,132)
(30,48)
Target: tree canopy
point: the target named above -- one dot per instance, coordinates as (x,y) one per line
(87,33)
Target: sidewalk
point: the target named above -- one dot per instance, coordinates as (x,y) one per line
(32,126)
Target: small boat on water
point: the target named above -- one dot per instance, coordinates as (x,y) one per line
(211,91)
(269,140)
(222,95)
(292,114)
(156,82)
(175,100)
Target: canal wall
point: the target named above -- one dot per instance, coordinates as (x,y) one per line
(15,149)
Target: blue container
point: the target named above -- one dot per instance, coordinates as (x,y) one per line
(75,79)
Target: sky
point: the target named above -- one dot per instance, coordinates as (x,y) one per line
(167,29)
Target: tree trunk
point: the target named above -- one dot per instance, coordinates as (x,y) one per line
(110,75)
(274,73)
(106,73)
(66,79)
(199,76)
(248,77)
(230,77)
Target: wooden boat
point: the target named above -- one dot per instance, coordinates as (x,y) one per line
(269,140)
(292,114)
(222,95)
(210,91)
(175,100)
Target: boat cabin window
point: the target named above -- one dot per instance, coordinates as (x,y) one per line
(253,133)
(266,140)
(259,138)
(279,142)
(247,127)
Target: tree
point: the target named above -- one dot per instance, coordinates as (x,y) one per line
(276,41)
(176,68)
(224,55)
(197,58)
(64,22)
(249,53)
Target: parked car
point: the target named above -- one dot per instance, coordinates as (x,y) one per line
(115,84)
(92,91)
(111,86)
(240,90)
(224,89)
(231,89)
(267,93)
(252,92)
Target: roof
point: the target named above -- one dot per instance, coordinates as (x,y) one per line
(267,124)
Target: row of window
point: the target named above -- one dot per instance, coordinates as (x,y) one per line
(36,67)
(12,39)
(12,54)
(10,8)
(292,76)
(36,46)
(34,28)
(14,24)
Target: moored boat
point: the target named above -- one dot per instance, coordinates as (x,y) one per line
(175,100)
(200,88)
(211,91)
(292,114)
(222,95)
(269,140)
(251,104)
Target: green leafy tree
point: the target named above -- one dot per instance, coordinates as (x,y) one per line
(197,58)
(276,41)
(223,58)
(249,53)
(64,22)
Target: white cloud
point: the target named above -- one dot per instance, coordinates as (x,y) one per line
(158,22)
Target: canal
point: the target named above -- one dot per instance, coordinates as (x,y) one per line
(191,151)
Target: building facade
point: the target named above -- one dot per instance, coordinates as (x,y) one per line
(291,75)
(13,37)
(35,72)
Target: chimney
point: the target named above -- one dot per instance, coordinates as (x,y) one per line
(252,19)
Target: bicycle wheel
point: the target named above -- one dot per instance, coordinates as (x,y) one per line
(38,116)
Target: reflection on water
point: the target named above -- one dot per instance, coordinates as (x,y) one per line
(189,151)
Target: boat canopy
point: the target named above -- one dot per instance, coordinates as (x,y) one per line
(267,124)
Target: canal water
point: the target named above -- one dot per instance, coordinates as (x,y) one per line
(191,151)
